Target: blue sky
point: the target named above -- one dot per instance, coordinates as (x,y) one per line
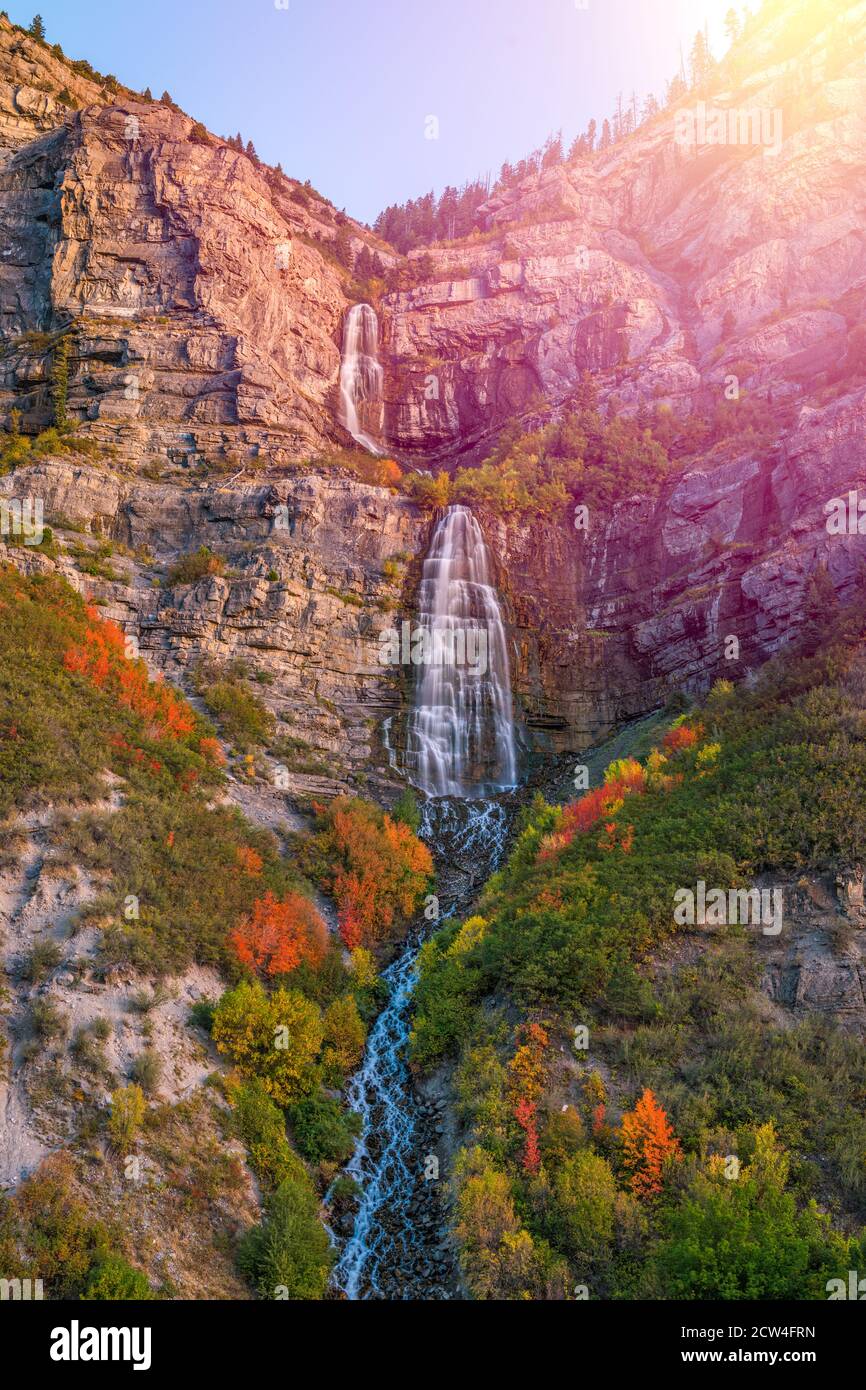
(339,91)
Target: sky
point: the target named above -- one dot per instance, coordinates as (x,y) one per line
(341,92)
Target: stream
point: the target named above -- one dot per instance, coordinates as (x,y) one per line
(397,1249)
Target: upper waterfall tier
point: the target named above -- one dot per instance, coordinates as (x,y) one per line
(361,374)
(461,733)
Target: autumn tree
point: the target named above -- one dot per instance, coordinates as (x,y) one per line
(525,1087)
(377,869)
(499,1258)
(648,1144)
(276,1038)
(345,1033)
(278,934)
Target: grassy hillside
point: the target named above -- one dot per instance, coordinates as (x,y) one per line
(115,808)
(575,991)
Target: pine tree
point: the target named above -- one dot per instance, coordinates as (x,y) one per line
(732,25)
(342,246)
(251,152)
(700,59)
(37,28)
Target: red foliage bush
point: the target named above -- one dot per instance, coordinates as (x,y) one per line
(279,934)
(378,869)
(682,736)
(601,802)
(101,658)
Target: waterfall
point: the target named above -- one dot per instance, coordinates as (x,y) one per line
(461,732)
(460,743)
(360,371)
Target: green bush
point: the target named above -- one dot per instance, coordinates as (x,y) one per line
(275,1038)
(146,1070)
(289,1254)
(322,1130)
(241,716)
(262,1128)
(114,1280)
(746,1239)
(44,957)
(191,568)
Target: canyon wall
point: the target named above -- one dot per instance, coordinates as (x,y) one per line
(203,308)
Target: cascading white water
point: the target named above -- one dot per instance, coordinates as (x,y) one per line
(360,371)
(460,739)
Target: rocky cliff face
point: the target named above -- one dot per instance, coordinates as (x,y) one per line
(204,306)
(724,237)
(203,310)
(317,568)
(605,625)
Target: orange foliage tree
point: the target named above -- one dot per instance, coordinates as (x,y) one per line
(682,736)
(279,934)
(101,658)
(378,868)
(648,1143)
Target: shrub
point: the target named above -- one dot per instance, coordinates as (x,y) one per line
(289,1254)
(406,811)
(191,568)
(48,1020)
(263,1130)
(60,1240)
(146,1070)
(276,1039)
(746,1239)
(322,1131)
(114,1280)
(242,717)
(583,1214)
(499,1258)
(127,1112)
(45,957)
